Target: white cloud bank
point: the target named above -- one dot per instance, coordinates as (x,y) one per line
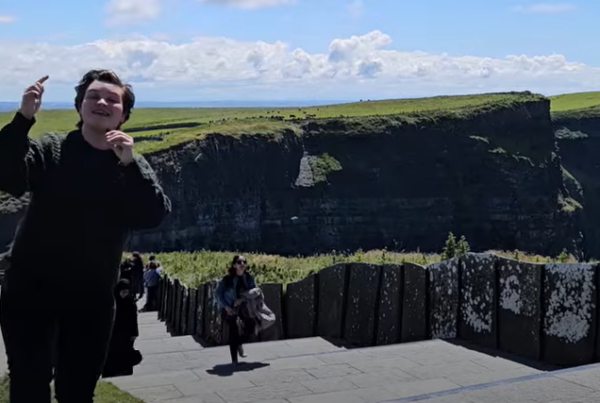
(219,68)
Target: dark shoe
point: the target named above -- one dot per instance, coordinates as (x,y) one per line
(241,352)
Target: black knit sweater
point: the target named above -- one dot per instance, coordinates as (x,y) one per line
(83,202)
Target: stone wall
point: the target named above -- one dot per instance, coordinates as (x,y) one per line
(544,312)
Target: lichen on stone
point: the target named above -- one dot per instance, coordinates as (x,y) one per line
(444,299)
(570,304)
(478,298)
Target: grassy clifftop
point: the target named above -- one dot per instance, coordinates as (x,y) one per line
(580,105)
(157,129)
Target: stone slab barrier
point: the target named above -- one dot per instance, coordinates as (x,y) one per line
(545,312)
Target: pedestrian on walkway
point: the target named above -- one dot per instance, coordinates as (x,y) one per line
(88,191)
(229,291)
(151,278)
(137,275)
(122,356)
(152,258)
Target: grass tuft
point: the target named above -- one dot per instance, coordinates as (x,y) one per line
(105,393)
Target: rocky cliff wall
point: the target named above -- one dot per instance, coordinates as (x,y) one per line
(373,182)
(578,140)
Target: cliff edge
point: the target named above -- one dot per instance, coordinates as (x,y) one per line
(402,181)
(578,139)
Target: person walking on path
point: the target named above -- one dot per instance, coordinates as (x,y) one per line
(88,191)
(151,278)
(228,293)
(137,275)
(122,356)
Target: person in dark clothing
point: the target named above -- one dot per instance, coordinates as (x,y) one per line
(151,278)
(237,281)
(122,356)
(152,259)
(125,269)
(137,275)
(88,191)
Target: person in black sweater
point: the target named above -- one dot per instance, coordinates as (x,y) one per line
(122,356)
(88,191)
(137,275)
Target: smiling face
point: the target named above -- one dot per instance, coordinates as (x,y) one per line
(102,106)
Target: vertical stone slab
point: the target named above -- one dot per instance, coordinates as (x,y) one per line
(300,314)
(361,312)
(414,303)
(178,301)
(443,299)
(332,292)
(569,328)
(200,309)
(390,305)
(163,300)
(159,297)
(477,310)
(191,312)
(212,316)
(519,310)
(273,293)
(185,299)
(168,286)
(173,307)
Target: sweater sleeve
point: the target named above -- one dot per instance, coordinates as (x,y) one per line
(21,158)
(147,204)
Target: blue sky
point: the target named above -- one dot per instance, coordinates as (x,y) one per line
(465,46)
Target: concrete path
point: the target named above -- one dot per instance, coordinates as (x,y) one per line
(178,370)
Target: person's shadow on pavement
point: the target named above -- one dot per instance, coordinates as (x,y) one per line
(228,369)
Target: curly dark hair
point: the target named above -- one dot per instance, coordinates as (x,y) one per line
(109,77)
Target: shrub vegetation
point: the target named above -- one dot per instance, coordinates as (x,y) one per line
(195,268)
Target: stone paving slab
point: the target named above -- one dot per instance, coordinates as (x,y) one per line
(312,370)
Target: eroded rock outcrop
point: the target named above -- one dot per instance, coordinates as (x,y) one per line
(370,182)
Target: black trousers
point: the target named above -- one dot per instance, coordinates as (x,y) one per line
(53,328)
(236,340)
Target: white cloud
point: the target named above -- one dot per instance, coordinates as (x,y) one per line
(355,8)
(546,8)
(363,66)
(122,11)
(249,4)
(6,19)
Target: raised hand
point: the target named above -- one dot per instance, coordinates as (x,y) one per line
(32,98)
(121,144)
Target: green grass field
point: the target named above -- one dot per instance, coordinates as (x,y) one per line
(105,393)
(266,121)
(579,100)
(195,268)
(194,123)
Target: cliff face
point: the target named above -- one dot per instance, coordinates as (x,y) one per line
(372,183)
(344,184)
(578,140)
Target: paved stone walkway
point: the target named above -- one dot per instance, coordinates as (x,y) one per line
(178,370)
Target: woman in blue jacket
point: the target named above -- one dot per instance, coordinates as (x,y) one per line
(237,281)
